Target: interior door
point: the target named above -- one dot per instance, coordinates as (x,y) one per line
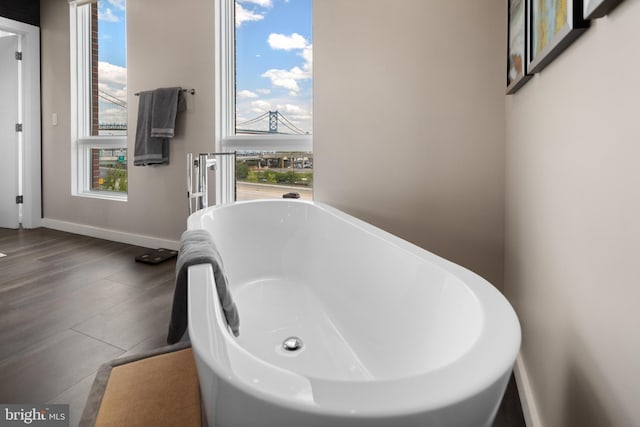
(9,138)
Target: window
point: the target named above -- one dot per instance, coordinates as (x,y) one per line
(264,79)
(98,99)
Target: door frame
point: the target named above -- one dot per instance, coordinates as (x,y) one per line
(29,115)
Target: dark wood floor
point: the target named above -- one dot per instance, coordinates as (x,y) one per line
(69,303)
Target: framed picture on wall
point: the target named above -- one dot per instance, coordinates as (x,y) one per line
(598,8)
(517,47)
(554,25)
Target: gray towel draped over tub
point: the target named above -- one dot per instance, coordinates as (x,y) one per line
(157,111)
(197,247)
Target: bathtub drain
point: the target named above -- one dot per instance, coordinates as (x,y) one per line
(292,344)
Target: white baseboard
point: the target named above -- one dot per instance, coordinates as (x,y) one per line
(116,236)
(529,409)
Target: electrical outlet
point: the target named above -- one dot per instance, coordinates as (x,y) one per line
(54,119)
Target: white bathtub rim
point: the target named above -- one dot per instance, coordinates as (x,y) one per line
(413,394)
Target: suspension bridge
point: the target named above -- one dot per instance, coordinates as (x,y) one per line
(271,122)
(276,123)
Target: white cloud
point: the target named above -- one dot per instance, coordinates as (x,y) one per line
(111,74)
(297,115)
(283,42)
(264,91)
(260,106)
(247,94)
(294,111)
(119,4)
(105,14)
(245,15)
(307,55)
(263,3)
(290,108)
(112,83)
(118,92)
(287,79)
(111,114)
(282,78)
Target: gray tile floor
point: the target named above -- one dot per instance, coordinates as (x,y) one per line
(69,303)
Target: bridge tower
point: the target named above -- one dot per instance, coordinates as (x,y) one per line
(273,122)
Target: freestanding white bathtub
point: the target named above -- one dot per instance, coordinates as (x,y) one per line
(392,335)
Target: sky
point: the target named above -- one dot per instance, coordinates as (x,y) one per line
(273,61)
(112,61)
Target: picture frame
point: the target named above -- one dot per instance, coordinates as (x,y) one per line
(554,25)
(598,8)
(517,45)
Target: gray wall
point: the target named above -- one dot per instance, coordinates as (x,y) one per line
(409,121)
(169,44)
(573,227)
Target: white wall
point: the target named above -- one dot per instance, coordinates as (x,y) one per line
(169,44)
(573,227)
(409,121)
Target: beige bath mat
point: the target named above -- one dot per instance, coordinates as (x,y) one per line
(159,388)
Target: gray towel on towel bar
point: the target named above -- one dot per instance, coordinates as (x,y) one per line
(197,247)
(148,150)
(166,104)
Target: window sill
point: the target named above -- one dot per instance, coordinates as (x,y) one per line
(104,195)
(297,143)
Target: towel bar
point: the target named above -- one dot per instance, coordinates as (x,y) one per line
(191,91)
